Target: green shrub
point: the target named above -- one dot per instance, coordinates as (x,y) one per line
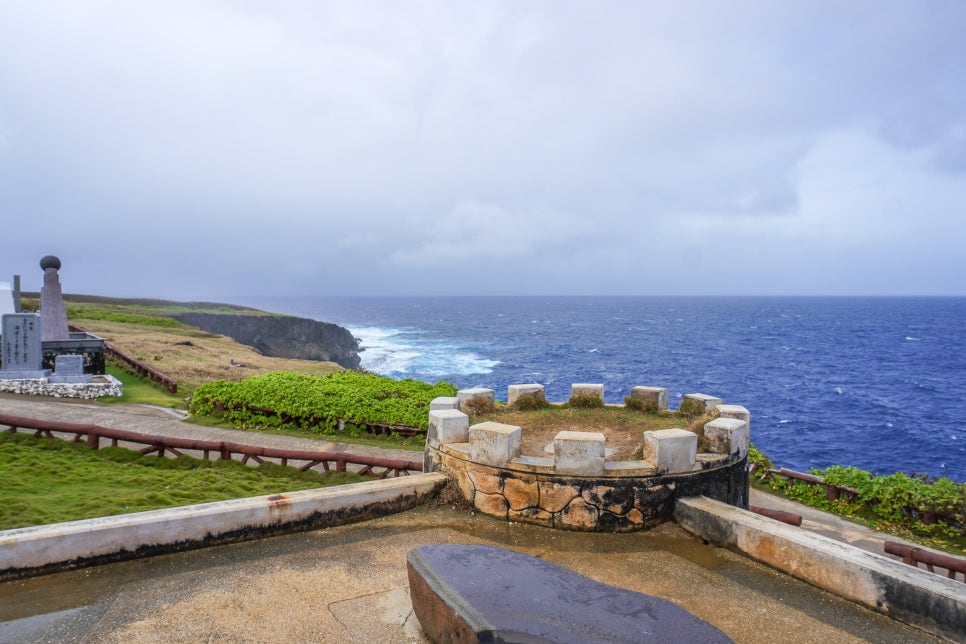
(530,402)
(319,402)
(585,402)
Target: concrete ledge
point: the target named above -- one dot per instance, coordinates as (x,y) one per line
(40,549)
(917,597)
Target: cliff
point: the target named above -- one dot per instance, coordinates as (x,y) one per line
(283,336)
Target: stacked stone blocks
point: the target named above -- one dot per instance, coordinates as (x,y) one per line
(519,392)
(671,450)
(651,398)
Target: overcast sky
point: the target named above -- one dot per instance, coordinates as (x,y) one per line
(210,149)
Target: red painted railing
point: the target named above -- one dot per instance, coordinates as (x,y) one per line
(915,556)
(224,450)
(832,492)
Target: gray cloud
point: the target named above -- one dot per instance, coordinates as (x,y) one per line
(207,149)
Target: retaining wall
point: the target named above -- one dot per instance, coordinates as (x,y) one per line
(918,597)
(99,386)
(49,548)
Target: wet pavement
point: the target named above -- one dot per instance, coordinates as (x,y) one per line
(349,584)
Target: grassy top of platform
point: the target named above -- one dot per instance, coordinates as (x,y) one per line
(622,426)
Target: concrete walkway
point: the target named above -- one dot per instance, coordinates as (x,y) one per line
(158,421)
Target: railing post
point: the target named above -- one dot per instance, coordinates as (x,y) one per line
(93,440)
(225,454)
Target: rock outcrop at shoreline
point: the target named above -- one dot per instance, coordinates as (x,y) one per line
(283,336)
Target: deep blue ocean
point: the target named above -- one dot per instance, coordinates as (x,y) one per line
(878,383)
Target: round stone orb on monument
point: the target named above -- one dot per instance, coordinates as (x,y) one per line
(50,261)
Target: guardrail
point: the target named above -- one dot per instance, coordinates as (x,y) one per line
(374,428)
(141,369)
(832,492)
(915,556)
(779,515)
(224,450)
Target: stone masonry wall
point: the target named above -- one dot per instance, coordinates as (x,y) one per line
(101,386)
(578,489)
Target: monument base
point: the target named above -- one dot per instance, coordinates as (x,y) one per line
(69,380)
(40,374)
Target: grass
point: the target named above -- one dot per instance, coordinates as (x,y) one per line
(142,392)
(622,426)
(48,481)
(592,419)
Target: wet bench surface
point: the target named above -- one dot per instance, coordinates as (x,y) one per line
(472,593)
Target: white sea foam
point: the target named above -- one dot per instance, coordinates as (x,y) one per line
(912,339)
(397,352)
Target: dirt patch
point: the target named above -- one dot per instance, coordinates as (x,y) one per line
(192,357)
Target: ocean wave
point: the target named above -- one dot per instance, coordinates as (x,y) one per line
(405,353)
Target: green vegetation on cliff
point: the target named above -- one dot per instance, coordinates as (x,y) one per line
(319,403)
(929,511)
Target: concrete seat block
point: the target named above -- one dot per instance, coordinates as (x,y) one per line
(447,426)
(467,396)
(494,443)
(735,411)
(587,389)
(727,436)
(579,453)
(671,450)
(653,397)
(478,593)
(515,392)
(444,402)
(704,402)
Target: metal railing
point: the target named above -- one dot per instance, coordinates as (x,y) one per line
(915,556)
(224,450)
(832,492)
(375,428)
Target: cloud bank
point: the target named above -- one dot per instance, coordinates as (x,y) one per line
(215,148)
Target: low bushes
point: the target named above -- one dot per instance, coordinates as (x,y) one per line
(931,507)
(318,403)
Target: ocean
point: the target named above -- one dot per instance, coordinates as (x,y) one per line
(877,383)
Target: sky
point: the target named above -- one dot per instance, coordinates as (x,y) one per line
(210,149)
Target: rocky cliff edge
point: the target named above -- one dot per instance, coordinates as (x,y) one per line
(283,336)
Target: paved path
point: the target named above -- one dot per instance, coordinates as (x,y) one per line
(159,421)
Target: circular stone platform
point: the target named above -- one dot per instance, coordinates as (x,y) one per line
(578,488)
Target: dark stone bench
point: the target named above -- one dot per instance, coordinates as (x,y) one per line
(466,593)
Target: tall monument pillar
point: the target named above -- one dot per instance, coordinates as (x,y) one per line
(53,312)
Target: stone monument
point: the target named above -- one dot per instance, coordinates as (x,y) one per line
(22,353)
(53,312)
(69,370)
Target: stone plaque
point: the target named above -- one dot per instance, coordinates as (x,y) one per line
(69,369)
(22,354)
